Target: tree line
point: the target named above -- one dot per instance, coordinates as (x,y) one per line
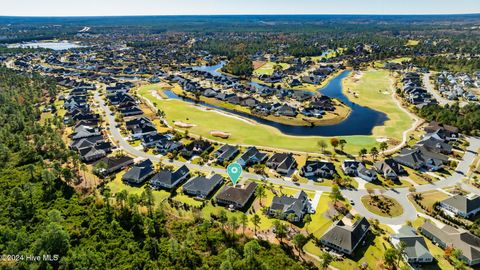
(41,214)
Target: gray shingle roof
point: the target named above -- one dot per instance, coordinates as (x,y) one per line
(415,245)
(462,203)
(169,178)
(202,185)
(139,172)
(345,236)
(287,204)
(468,243)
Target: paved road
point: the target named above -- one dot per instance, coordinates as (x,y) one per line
(431,89)
(399,194)
(123,144)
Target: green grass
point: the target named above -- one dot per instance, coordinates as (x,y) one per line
(117,185)
(187,200)
(135,143)
(436,251)
(374,90)
(245,132)
(395,209)
(429,198)
(412,42)
(320,223)
(267,68)
(329,54)
(371,254)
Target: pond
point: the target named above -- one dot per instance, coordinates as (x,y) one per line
(57,46)
(360,121)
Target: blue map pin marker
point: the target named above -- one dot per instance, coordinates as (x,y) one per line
(234,170)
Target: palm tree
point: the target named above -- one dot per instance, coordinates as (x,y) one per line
(291,217)
(233,223)
(223,218)
(383,146)
(158,166)
(374,152)
(243,221)
(326,259)
(260,193)
(363,152)
(335,195)
(307,219)
(280,230)
(256,222)
(400,249)
(390,257)
(121,198)
(342,144)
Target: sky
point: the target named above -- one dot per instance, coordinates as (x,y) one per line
(212,7)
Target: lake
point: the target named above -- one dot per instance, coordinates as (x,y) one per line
(57,46)
(360,121)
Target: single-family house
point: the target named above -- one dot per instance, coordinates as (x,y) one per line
(236,197)
(169,180)
(109,165)
(318,168)
(460,205)
(389,168)
(415,249)
(345,237)
(226,153)
(252,156)
(201,186)
(448,236)
(282,162)
(285,206)
(139,172)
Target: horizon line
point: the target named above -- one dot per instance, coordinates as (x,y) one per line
(251,14)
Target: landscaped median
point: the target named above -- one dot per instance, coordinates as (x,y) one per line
(382,205)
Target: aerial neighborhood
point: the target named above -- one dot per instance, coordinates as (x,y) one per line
(354,151)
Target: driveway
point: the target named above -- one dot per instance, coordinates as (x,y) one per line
(399,194)
(431,89)
(124,145)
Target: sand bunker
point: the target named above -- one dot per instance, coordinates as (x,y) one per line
(220,134)
(382,139)
(183,125)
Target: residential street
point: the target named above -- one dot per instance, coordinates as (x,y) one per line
(431,89)
(399,194)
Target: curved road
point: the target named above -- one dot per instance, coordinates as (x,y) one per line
(441,100)
(400,194)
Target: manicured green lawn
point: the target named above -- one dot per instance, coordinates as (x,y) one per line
(374,90)
(394,209)
(156,87)
(371,254)
(320,223)
(187,200)
(431,197)
(267,68)
(117,185)
(435,250)
(243,131)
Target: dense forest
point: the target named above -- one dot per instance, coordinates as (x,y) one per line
(454,64)
(467,118)
(42,214)
(239,66)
